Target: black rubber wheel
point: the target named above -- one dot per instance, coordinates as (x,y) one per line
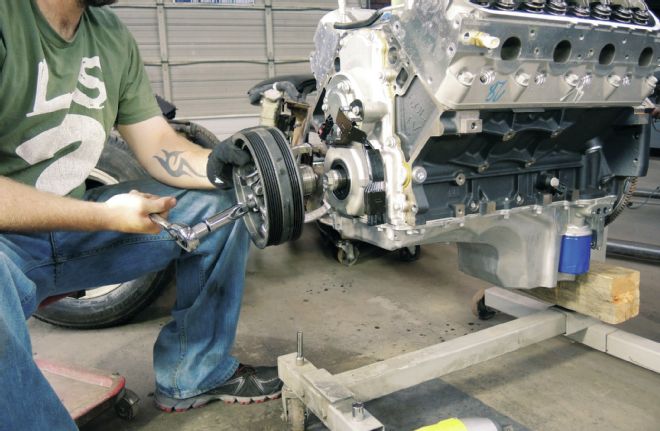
(107,306)
(479,307)
(348,255)
(127,406)
(409,254)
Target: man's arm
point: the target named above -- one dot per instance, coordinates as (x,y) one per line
(168,157)
(24,209)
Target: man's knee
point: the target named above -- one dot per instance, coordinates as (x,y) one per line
(204,203)
(16,289)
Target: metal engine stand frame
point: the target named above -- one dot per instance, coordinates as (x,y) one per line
(338,400)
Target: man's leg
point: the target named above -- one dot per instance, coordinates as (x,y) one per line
(192,353)
(27,402)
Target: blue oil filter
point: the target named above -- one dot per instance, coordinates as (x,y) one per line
(575,250)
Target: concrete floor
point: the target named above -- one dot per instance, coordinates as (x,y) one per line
(379,308)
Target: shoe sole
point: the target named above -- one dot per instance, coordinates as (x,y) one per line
(173,405)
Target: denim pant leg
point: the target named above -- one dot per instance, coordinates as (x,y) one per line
(192,352)
(27,402)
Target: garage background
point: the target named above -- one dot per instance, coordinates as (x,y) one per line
(204,57)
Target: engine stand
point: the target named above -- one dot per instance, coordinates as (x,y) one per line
(337,400)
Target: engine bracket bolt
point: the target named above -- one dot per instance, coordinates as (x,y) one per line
(459,179)
(614,80)
(466,78)
(487,77)
(572,79)
(540,78)
(522,79)
(419,174)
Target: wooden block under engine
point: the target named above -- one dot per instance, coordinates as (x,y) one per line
(607,292)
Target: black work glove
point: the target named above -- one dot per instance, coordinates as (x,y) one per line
(222,160)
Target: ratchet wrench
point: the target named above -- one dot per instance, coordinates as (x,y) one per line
(188,237)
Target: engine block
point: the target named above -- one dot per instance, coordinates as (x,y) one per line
(511,128)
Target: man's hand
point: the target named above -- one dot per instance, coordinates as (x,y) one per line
(26,209)
(222,160)
(129,212)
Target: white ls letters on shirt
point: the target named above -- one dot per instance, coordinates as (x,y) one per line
(69,171)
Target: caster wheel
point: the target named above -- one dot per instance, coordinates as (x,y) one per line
(410,254)
(348,254)
(296,415)
(479,307)
(127,407)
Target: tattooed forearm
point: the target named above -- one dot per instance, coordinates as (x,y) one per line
(176,165)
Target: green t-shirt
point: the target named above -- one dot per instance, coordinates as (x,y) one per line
(59,99)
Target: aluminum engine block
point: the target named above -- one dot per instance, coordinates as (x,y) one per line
(500,125)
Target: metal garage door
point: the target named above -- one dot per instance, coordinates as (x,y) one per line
(204,57)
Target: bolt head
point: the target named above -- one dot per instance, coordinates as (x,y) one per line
(419,175)
(523,79)
(614,80)
(487,77)
(336,131)
(572,79)
(539,79)
(554,182)
(466,78)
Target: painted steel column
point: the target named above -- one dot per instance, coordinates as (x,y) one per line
(164,51)
(270,37)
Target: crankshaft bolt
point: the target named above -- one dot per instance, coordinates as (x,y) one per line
(334,179)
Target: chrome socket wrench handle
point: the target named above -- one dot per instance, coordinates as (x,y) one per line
(188,237)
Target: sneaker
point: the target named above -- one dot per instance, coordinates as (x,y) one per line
(247,385)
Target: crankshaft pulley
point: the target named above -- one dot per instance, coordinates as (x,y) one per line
(271,186)
(268,190)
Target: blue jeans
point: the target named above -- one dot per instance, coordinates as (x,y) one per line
(192,352)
